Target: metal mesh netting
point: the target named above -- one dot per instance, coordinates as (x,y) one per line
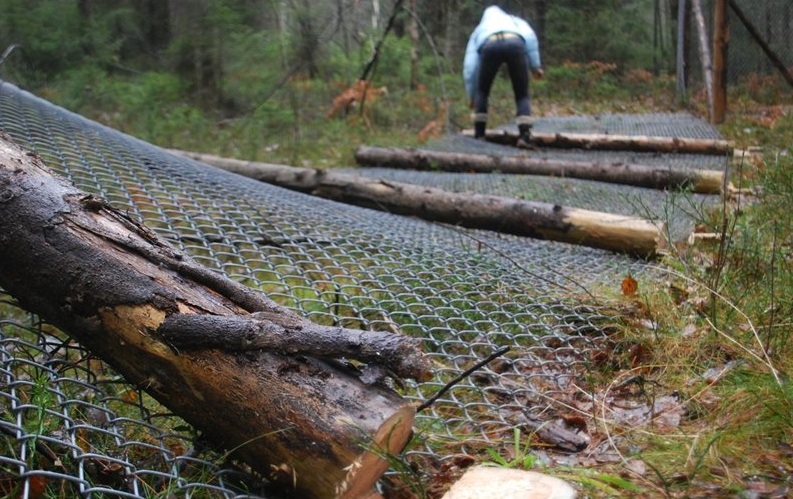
(68,418)
(773,21)
(674,210)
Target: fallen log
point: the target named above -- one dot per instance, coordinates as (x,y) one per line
(513,216)
(638,143)
(699,181)
(220,355)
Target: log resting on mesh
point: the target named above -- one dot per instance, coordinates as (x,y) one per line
(619,233)
(120,290)
(614,142)
(653,177)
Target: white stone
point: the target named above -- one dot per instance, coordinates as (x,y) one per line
(486,482)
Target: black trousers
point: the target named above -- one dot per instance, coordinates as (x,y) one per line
(509,51)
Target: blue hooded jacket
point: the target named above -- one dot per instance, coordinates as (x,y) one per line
(495,20)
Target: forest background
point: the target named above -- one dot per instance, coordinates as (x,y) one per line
(255,79)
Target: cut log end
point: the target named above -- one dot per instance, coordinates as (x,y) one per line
(392,437)
(617,232)
(483,482)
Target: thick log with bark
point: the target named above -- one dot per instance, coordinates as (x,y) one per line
(513,216)
(638,143)
(699,181)
(239,367)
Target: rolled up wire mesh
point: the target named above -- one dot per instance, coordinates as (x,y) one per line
(70,425)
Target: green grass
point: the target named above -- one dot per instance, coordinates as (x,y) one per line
(732,309)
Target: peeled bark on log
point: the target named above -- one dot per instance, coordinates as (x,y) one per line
(699,181)
(638,143)
(513,216)
(119,290)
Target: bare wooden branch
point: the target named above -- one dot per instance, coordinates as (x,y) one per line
(699,181)
(277,333)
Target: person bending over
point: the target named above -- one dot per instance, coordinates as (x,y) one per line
(501,38)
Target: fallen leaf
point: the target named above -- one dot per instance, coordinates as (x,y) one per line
(629,286)
(575,421)
(37,486)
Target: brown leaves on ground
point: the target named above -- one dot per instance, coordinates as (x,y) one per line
(434,129)
(629,286)
(350,98)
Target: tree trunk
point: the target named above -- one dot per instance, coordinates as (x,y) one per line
(721,43)
(680,55)
(413,31)
(638,143)
(704,55)
(699,181)
(149,311)
(513,216)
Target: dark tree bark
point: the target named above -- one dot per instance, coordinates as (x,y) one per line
(124,294)
(513,216)
(700,181)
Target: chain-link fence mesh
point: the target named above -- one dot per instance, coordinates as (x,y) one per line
(70,425)
(772,20)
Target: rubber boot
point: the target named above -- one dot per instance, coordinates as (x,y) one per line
(479,130)
(524,137)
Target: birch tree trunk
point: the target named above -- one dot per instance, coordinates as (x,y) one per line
(375,14)
(704,54)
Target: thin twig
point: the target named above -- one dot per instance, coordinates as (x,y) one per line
(448,386)
(370,65)
(7,52)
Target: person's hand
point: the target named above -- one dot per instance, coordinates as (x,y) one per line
(538,73)
(470,104)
